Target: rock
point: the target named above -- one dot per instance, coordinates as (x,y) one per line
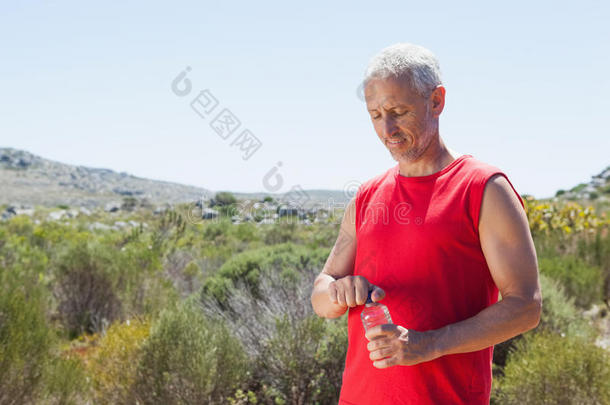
(97,226)
(209,213)
(73,213)
(56,215)
(24,211)
(112,207)
(286,210)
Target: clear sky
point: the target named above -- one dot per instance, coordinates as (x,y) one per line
(89,83)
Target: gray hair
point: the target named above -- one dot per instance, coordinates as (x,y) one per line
(414,62)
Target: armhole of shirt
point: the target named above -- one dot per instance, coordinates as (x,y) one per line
(357,207)
(478,196)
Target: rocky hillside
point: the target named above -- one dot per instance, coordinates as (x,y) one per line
(596,189)
(30,180)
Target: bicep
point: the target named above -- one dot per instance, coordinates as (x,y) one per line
(506,241)
(340,262)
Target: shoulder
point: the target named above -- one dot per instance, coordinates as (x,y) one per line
(479,170)
(500,193)
(490,190)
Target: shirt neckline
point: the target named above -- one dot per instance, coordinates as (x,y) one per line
(418,179)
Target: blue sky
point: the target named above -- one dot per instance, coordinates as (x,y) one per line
(90,83)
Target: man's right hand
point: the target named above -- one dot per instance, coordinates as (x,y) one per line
(336,289)
(351,291)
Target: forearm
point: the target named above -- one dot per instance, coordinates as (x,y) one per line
(320,300)
(495,324)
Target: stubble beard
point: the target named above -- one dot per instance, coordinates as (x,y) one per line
(414,153)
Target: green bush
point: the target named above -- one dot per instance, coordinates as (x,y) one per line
(595,249)
(86,287)
(217,231)
(189,359)
(549,369)
(224,198)
(25,338)
(559,316)
(64,382)
(143,288)
(247,267)
(299,357)
(283,231)
(581,281)
(304,360)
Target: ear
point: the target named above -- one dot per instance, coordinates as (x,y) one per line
(437,100)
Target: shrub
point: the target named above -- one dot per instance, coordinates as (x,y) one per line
(299,357)
(596,251)
(113,366)
(86,288)
(247,267)
(580,280)
(25,338)
(304,359)
(189,359)
(559,316)
(64,382)
(283,231)
(224,198)
(217,231)
(549,369)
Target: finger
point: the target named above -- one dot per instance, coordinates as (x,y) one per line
(350,296)
(374,332)
(332,293)
(378,294)
(387,329)
(377,344)
(341,295)
(381,353)
(384,363)
(362,290)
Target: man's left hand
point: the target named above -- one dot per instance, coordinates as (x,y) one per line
(393,345)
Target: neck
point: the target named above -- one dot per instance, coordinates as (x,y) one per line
(436,157)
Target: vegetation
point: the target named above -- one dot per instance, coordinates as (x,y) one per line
(158,308)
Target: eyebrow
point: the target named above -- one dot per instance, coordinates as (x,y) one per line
(392,108)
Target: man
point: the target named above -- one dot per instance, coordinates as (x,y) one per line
(436,237)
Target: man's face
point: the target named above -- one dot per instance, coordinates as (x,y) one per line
(405,121)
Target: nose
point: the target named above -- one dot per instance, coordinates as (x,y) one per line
(389,127)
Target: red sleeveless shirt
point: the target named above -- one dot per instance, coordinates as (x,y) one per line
(418,239)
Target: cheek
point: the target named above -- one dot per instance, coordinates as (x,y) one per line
(378,130)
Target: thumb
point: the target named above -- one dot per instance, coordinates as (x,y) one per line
(377,294)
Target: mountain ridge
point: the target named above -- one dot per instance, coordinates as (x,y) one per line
(29,179)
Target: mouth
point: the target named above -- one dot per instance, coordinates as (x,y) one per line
(395,142)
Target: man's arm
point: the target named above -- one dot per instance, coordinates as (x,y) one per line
(509,250)
(336,289)
(340,263)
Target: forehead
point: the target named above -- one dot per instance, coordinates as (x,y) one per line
(390,90)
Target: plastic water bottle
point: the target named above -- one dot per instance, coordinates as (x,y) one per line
(374,313)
